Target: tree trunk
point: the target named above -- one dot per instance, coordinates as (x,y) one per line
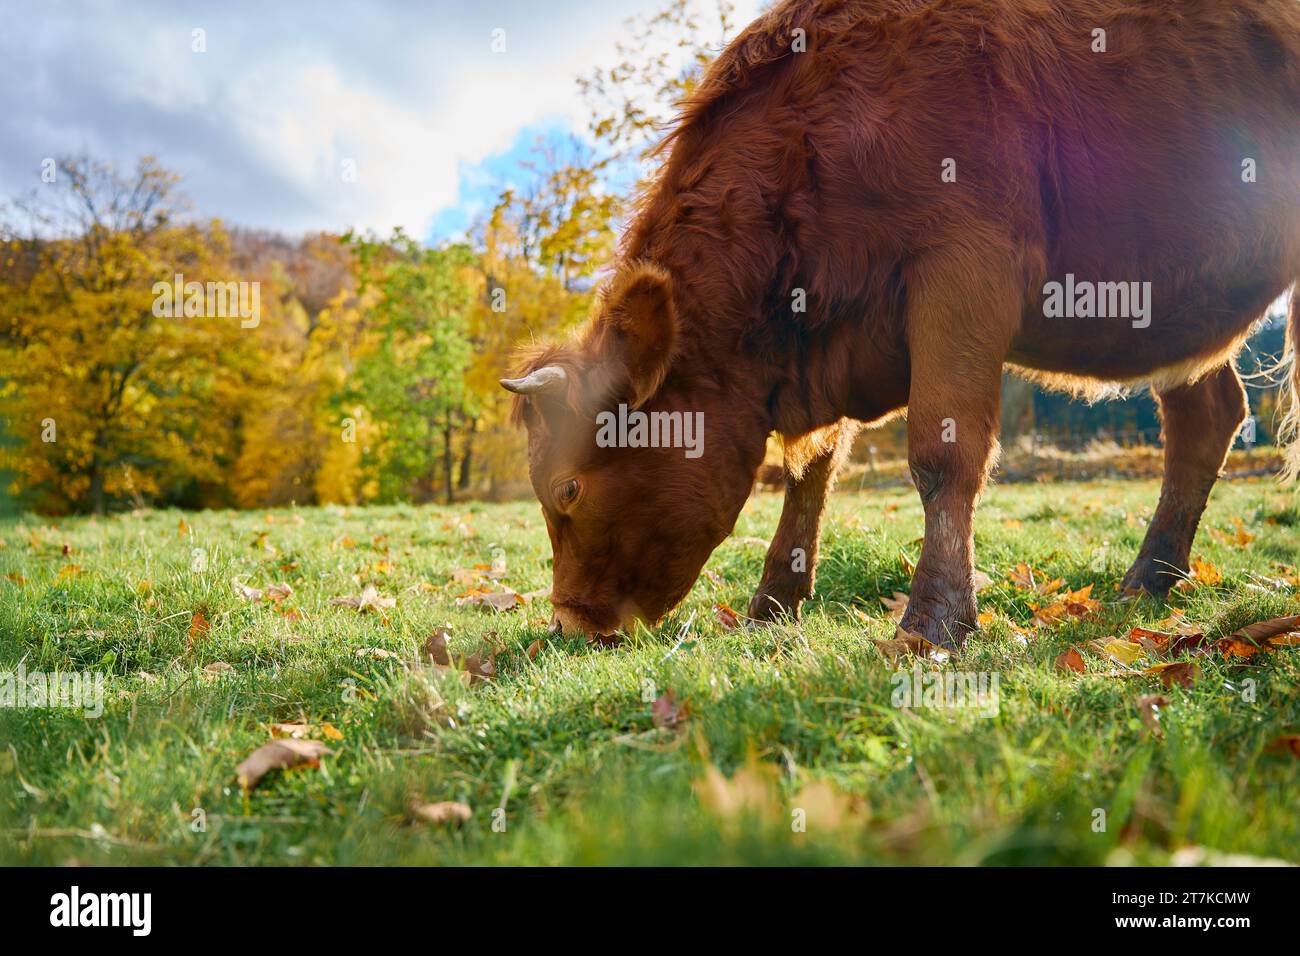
(467,460)
(446,458)
(97,487)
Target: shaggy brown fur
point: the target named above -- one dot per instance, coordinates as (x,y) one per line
(818,178)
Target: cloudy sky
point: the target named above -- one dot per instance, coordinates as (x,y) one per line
(261,122)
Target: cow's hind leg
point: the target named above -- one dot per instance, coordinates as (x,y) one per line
(1199,423)
(789,571)
(960,318)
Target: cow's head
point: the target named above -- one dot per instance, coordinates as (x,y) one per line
(630,527)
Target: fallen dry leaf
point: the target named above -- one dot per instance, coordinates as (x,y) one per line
(374,653)
(218,667)
(751,793)
(825,807)
(251,595)
(443,813)
(1071,660)
(728,618)
(294,729)
(1023,576)
(479,572)
(473,668)
(1070,604)
(481,666)
(1263,630)
(897,605)
(199,627)
(368,599)
(435,646)
(667,712)
(1122,652)
(1202,572)
(1234,647)
(301,730)
(278,592)
(279,755)
(1178,623)
(535,648)
(498,601)
(905,643)
(1182,673)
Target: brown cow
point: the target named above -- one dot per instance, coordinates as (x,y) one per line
(872,205)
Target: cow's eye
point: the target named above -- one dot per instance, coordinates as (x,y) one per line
(566,492)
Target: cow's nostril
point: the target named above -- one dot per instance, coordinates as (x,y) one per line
(555,627)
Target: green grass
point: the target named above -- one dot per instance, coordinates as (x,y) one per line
(566,742)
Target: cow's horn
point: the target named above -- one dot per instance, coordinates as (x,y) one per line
(545,379)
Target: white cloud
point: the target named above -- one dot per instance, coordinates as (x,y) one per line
(260,124)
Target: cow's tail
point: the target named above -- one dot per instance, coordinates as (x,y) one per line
(1289,433)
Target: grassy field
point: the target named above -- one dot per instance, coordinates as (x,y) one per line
(690,743)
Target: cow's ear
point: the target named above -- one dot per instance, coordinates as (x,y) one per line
(637,328)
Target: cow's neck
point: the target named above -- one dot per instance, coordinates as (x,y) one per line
(736,345)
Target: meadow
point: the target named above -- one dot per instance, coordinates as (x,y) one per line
(697,741)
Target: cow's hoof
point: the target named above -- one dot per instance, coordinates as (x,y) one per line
(1151,577)
(769,606)
(948,631)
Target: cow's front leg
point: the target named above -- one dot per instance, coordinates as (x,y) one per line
(956,339)
(1199,423)
(811,464)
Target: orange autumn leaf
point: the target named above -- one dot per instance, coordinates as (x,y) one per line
(728,618)
(1182,673)
(1029,579)
(1202,573)
(1261,630)
(279,755)
(1071,660)
(199,626)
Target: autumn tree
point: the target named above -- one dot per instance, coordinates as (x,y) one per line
(108,397)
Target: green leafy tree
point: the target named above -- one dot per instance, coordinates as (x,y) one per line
(411,378)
